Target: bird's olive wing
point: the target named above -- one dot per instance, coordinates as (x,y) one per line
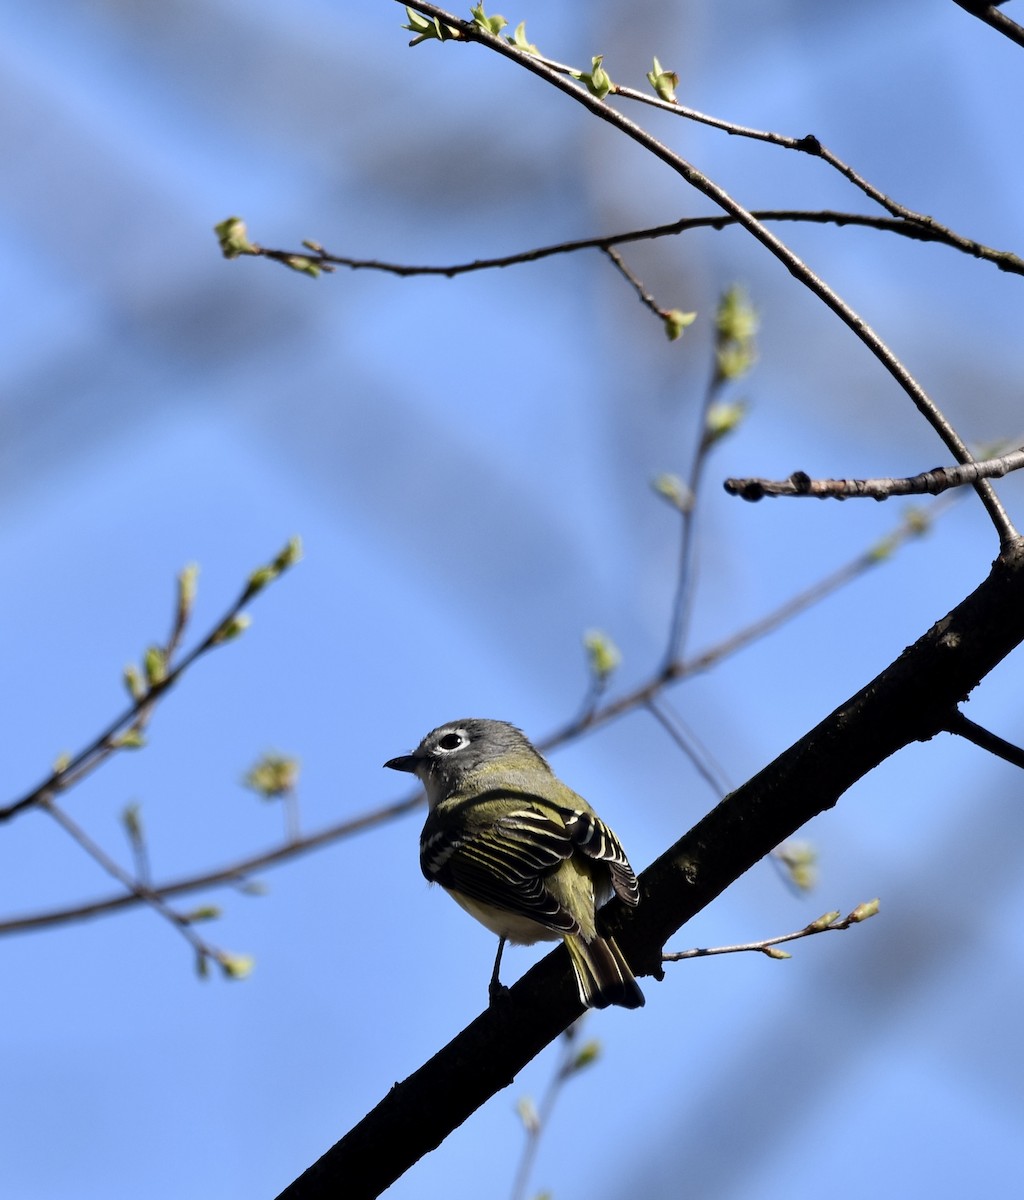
(503,862)
(593,838)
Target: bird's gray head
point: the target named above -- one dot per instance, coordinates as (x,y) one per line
(452,752)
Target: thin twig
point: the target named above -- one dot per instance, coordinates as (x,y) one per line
(536,1122)
(232,873)
(690,744)
(939,479)
(793,263)
(646,299)
(686,581)
(913,525)
(136,889)
(809,144)
(1005,260)
(829,923)
(135,717)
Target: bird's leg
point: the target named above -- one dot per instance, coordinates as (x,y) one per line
(496,989)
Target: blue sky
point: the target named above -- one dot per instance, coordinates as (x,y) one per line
(468,463)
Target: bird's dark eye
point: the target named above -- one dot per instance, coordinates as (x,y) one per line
(451,741)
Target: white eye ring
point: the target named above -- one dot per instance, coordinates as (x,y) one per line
(460,740)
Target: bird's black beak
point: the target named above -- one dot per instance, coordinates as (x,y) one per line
(404,762)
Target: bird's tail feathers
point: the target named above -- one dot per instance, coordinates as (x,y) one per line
(602,973)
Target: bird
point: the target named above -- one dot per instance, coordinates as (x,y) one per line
(522,852)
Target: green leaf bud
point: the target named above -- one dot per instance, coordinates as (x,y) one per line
(801,862)
(236,966)
(736,325)
(272,775)
(824,921)
(528,1114)
(917,520)
(428,28)
(491,25)
(775,952)
(131,819)
(302,264)
(721,419)
(676,321)
(674,490)
(205,912)
(518,39)
(664,82)
(234,238)
(133,682)
(603,656)
(232,628)
(154,663)
(288,557)
(587,1054)
(187,583)
(863,911)
(596,79)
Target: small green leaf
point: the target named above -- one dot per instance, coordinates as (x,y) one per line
(674,490)
(587,1054)
(304,265)
(736,324)
(428,29)
(676,321)
(234,238)
(721,419)
(133,682)
(824,921)
(272,775)
(801,862)
(131,739)
(188,579)
(664,82)
(518,39)
(603,656)
(236,966)
(491,25)
(775,952)
(863,911)
(61,762)
(233,627)
(205,912)
(288,557)
(154,663)
(596,79)
(131,819)
(528,1114)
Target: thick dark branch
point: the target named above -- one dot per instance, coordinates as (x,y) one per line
(910,701)
(991,15)
(939,479)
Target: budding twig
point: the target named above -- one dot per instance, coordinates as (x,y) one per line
(940,479)
(828,923)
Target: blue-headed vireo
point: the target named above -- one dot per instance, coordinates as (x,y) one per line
(522,852)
